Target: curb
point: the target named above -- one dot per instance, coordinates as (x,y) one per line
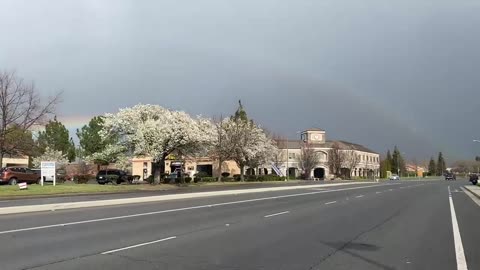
(149,199)
(472,192)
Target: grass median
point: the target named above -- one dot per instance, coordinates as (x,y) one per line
(72,189)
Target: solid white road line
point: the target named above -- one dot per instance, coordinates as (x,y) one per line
(359,196)
(332,202)
(277,214)
(378,192)
(176,210)
(457,238)
(139,245)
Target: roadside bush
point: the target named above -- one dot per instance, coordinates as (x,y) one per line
(61,179)
(81,178)
(149,179)
(202,174)
(188,180)
(250,178)
(228,179)
(225,174)
(197,179)
(209,179)
(236,177)
(271,177)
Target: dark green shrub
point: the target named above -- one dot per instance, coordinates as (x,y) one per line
(250,178)
(197,179)
(236,177)
(225,174)
(188,180)
(150,179)
(81,178)
(228,179)
(61,179)
(202,174)
(209,179)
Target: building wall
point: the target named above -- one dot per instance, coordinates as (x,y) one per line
(21,162)
(138,165)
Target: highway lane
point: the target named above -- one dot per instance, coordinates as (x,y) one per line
(406,225)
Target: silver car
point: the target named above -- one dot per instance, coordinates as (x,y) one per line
(394,177)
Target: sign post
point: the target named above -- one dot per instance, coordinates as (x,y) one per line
(48,170)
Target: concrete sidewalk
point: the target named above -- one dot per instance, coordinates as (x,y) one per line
(475,190)
(145,199)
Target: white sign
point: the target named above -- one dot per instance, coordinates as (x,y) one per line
(22,185)
(48,171)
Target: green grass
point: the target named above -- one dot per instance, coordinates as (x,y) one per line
(37,190)
(65,189)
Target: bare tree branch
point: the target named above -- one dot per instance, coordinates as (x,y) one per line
(20,109)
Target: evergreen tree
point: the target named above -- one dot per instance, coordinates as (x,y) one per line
(89,137)
(432,167)
(441,166)
(56,137)
(388,162)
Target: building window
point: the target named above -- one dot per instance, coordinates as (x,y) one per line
(291,155)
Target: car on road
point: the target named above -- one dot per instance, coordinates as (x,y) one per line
(450,176)
(394,177)
(113,175)
(14,175)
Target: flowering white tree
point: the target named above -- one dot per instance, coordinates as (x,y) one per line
(156,132)
(51,155)
(223,144)
(250,145)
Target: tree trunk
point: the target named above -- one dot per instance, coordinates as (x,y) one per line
(1,159)
(159,171)
(242,173)
(220,161)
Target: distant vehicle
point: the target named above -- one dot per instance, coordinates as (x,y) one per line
(394,177)
(14,175)
(450,176)
(474,178)
(105,176)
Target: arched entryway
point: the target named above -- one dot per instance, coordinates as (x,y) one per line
(319,173)
(250,171)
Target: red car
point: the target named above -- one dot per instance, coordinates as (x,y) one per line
(14,175)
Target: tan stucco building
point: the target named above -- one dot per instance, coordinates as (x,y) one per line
(368,164)
(15,162)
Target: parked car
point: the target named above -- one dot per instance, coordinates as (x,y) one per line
(107,176)
(394,177)
(14,175)
(450,176)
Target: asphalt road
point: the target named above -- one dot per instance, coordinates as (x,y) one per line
(400,225)
(47,199)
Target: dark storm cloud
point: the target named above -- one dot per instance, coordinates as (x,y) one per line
(373,72)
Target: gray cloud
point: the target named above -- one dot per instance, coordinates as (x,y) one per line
(375,72)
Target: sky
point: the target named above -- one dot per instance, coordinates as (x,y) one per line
(379,73)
